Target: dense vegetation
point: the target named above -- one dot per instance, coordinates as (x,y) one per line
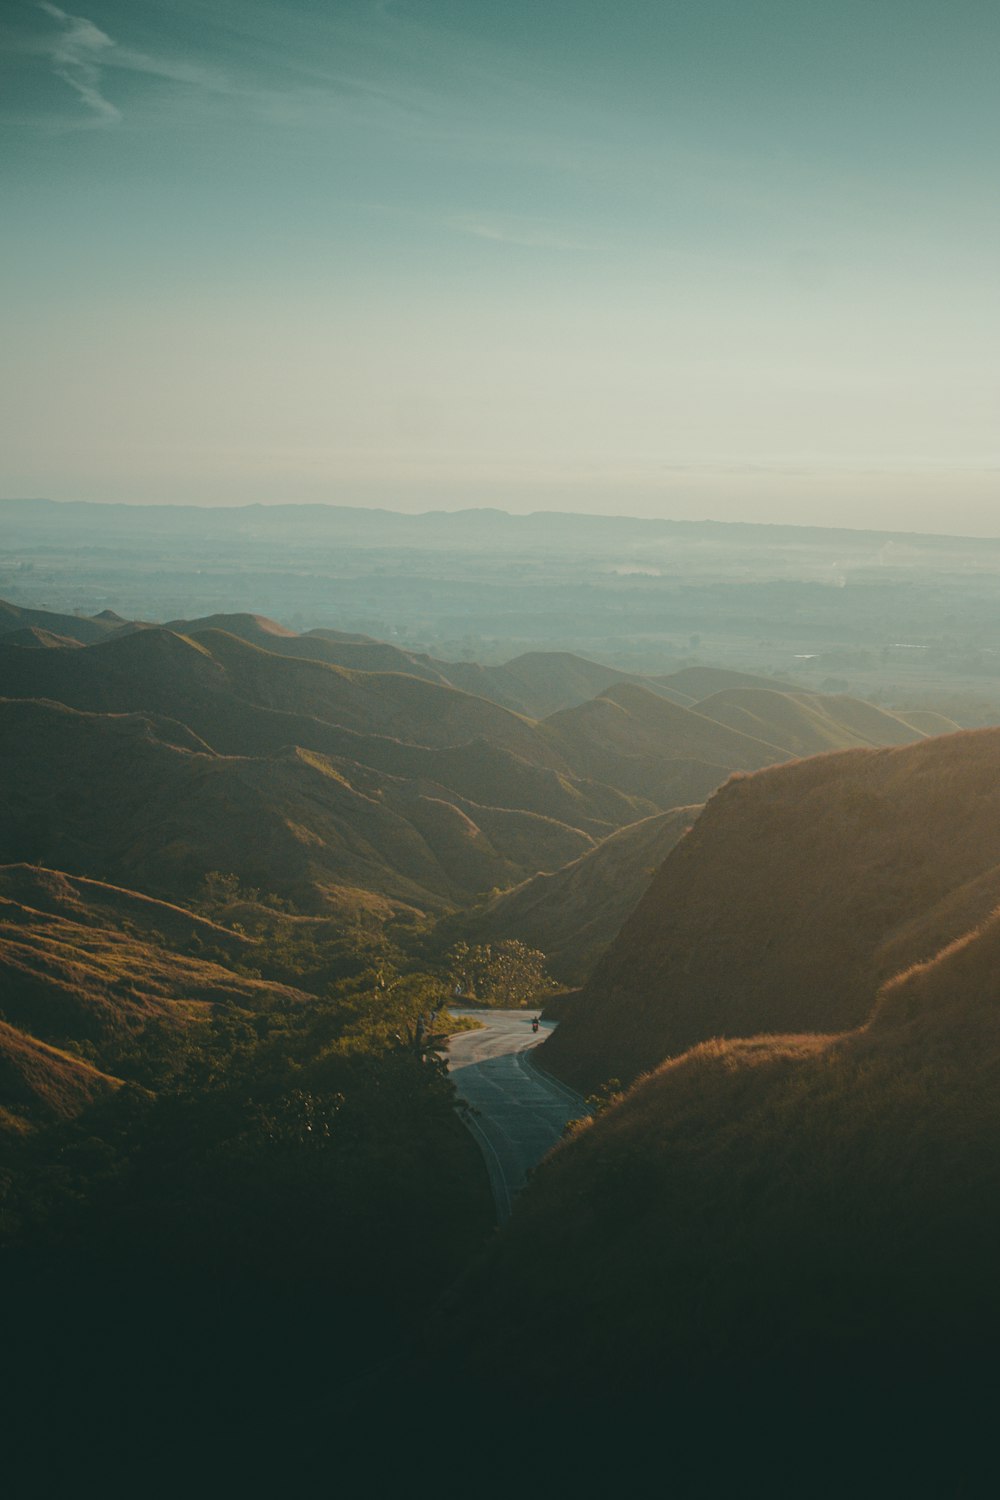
(271,1204)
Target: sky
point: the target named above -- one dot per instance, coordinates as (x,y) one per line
(692,258)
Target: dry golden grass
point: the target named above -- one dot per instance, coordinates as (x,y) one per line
(573,913)
(91,983)
(807,723)
(798,1199)
(799,891)
(39,1082)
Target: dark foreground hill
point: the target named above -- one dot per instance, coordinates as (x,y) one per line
(797,1198)
(797,893)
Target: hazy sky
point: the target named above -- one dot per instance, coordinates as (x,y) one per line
(731,258)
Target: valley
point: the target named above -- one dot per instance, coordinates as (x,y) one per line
(252,877)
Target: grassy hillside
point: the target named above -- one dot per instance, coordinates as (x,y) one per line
(63,980)
(96,903)
(324,783)
(816,1201)
(104,795)
(807,723)
(694,684)
(209,680)
(573,913)
(799,890)
(39,1083)
(82,630)
(652,747)
(536,684)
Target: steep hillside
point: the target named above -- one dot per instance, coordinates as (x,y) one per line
(128,798)
(95,903)
(535,684)
(799,890)
(38,1082)
(693,684)
(208,680)
(598,766)
(81,629)
(573,913)
(540,683)
(807,723)
(35,638)
(797,1199)
(62,980)
(258,630)
(631,737)
(927,721)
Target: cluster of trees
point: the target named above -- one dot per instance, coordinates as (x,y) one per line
(507,974)
(286,1188)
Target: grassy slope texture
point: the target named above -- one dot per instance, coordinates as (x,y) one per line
(573,913)
(827,1200)
(789,1199)
(85,970)
(797,893)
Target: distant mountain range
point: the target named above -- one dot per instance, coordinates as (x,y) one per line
(150,754)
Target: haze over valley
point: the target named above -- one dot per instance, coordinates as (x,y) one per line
(499,748)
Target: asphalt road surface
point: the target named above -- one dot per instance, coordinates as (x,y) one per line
(515,1111)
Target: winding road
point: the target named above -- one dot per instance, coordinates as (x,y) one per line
(515,1111)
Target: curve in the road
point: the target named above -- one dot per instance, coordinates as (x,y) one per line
(515,1111)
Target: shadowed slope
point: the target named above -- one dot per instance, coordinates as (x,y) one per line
(540,683)
(639,741)
(81,629)
(799,890)
(607,762)
(63,980)
(35,638)
(38,1082)
(212,681)
(95,903)
(694,684)
(257,629)
(536,683)
(786,1198)
(104,795)
(573,913)
(807,723)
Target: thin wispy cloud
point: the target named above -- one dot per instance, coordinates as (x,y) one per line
(514,231)
(78,55)
(82,55)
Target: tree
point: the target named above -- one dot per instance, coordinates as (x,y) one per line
(508,973)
